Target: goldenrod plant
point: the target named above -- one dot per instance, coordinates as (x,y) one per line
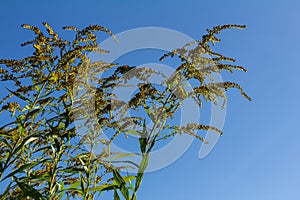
(42,156)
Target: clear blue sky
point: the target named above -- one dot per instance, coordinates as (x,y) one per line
(259,155)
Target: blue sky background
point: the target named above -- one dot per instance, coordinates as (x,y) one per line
(259,155)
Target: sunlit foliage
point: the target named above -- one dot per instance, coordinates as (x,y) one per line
(41,154)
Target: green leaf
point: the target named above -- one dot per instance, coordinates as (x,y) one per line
(143,143)
(6,142)
(149,112)
(28,190)
(116,195)
(128,178)
(104,187)
(27,140)
(82,184)
(121,184)
(60,197)
(30,140)
(22,168)
(72,170)
(45,177)
(15,151)
(21,117)
(75,185)
(54,191)
(133,132)
(143,139)
(123,155)
(4,135)
(142,168)
(19,95)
